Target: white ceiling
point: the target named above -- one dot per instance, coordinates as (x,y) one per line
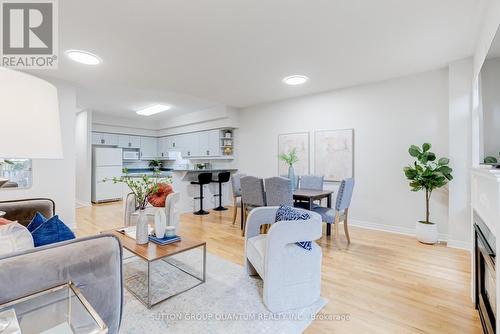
(197,54)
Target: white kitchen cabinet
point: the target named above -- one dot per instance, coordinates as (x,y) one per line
(163,147)
(126,141)
(135,141)
(205,144)
(149,148)
(99,138)
(110,139)
(200,144)
(190,145)
(96,138)
(172,143)
(123,141)
(214,143)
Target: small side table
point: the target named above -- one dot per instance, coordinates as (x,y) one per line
(62,309)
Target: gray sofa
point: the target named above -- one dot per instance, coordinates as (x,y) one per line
(94,264)
(23,210)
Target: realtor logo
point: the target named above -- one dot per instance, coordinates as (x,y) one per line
(29,34)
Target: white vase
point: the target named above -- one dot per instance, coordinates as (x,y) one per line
(141,232)
(427,233)
(291,176)
(160,224)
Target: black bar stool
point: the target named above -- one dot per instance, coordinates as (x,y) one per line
(203,178)
(222,177)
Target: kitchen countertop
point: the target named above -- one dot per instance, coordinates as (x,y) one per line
(211,170)
(139,172)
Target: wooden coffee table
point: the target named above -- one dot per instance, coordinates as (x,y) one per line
(151,252)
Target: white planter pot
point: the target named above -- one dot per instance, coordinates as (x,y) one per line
(427,233)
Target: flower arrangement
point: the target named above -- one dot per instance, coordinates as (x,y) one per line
(142,187)
(290,158)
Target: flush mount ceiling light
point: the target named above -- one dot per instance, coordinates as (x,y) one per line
(294,80)
(157,108)
(83,57)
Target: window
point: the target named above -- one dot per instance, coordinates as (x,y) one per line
(15,173)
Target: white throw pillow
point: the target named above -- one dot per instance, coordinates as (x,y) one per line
(14,237)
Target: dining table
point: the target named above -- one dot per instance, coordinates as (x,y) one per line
(311,195)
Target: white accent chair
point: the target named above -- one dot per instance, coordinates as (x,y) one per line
(171,209)
(291,274)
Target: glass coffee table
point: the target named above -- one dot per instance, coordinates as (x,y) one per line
(59,310)
(155,273)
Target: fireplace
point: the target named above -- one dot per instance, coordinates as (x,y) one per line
(485,274)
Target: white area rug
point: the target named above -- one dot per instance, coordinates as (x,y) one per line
(228,302)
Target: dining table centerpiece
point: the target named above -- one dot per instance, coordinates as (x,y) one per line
(290,159)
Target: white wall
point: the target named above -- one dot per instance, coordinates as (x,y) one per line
(213,118)
(114,124)
(387,118)
(83,142)
(55,179)
(460,143)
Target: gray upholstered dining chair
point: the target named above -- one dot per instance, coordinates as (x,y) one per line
(310,182)
(340,212)
(236,185)
(252,195)
(278,191)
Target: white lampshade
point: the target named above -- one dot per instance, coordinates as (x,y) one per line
(29,117)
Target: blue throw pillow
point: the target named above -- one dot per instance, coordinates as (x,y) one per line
(286,212)
(38,220)
(49,231)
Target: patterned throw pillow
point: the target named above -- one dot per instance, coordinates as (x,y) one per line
(286,212)
(158,199)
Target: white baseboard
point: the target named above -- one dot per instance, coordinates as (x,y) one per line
(408,231)
(460,244)
(82,204)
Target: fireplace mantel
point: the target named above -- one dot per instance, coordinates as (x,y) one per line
(485,201)
(485,195)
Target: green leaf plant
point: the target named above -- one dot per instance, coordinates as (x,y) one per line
(142,187)
(427,174)
(290,158)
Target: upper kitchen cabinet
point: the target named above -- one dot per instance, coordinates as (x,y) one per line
(99,138)
(165,150)
(162,147)
(171,143)
(208,143)
(126,141)
(149,148)
(187,144)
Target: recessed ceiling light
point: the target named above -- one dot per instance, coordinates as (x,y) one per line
(83,57)
(295,80)
(157,108)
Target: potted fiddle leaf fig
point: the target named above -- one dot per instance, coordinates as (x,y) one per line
(427,173)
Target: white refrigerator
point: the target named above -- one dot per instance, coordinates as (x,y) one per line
(106,164)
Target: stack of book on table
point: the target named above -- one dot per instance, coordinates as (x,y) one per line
(165,240)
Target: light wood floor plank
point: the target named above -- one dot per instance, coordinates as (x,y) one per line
(385,282)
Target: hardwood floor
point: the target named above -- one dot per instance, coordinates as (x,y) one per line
(384,282)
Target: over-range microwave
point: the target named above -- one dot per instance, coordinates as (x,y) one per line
(130,155)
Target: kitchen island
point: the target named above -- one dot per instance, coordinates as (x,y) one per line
(181,181)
